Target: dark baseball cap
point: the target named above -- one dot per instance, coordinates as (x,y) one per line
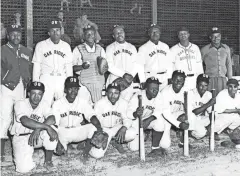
(153,80)
(215,30)
(114,86)
(54,24)
(117,27)
(36,86)
(152,26)
(233,81)
(14,27)
(203,78)
(72,81)
(89,27)
(179,73)
(183,28)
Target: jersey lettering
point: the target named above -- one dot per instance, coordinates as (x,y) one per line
(150,107)
(112,113)
(158,51)
(123,51)
(47,54)
(35,117)
(75,113)
(63,115)
(177,102)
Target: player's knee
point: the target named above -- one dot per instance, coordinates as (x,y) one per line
(199,134)
(23,166)
(130,134)
(97,153)
(134,145)
(49,145)
(157,125)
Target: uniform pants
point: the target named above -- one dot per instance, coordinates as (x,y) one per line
(76,134)
(23,152)
(129,136)
(8,98)
(54,87)
(156,125)
(223,121)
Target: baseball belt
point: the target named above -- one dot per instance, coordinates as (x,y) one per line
(159,73)
(190,75)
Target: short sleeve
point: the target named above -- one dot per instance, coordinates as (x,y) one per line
(77,57)
(20,110)
(56,112)
(87,110)
(37,57)
(47,110)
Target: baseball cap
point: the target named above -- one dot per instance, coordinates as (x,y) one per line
(152,80)
(215,30)
(14,27)
(233,81)
(183,28)
(36,86)
(114,86)
(89,27)
(152,26)
(72,81)
(117,27)
(54,24)
(178,73)
(203,77)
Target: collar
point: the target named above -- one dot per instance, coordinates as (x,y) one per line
(10,46)
(154,43)
(50,41)
(221,45)
(89,48)
(181,46)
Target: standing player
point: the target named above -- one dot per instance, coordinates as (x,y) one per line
(120,56)
(154,56)
(33,128)
(52,63)
(70,111)
(111,112)
(217,58)
(16,69)
(228,110)
(85,63)
(173,96)
(187,57)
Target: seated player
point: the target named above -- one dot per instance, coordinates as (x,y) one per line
(70,112)
(152,116)
(33,128)
(173,96)
(228,112)
(201,101)
(111,112)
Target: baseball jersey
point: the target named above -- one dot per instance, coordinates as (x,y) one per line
(187,59)
(52,59)
(121,59)
(72,114)
(83,93)
(24,108)
(198,101)
(78,58)
(110,115)
(155,59)
(224,101)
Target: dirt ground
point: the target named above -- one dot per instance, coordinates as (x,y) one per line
(201,162)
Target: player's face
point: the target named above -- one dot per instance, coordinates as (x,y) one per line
(183,35)
(119,35)
(152,90)
(177,83)
(216,38)
(71,93)
(35,96)
(89,36)
(202,87)
(14,37)
(232,90)
(113,95)
(55,34)
(155,35)
(60,15)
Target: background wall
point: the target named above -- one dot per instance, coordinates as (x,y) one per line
(198,15)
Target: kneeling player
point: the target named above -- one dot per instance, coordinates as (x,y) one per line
(228,112)
(111,111)
(33,128)
(70,112)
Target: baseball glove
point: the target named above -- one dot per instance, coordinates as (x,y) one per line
(102,65)
(100,139)
(235,135)
(128,78)
(122,82)
(60,149)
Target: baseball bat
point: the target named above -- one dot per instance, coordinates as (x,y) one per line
(186,142)
(141,134)
(212,142)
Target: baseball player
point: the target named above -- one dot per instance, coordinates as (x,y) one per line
(85,63)
(111,112)
(70,112)
(155,58)
(120,56)
(187,57)
(33,128)
(173,96)
(16,69)
(228,108)
(52,62)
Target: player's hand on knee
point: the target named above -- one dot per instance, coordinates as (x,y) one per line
(85,65)
(182,118)
(120,136)
(33,139)
(184,125)
(52,133)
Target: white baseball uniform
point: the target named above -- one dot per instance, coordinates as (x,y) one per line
(112,118)
(121,59)
(83,93)
(151,107)
(224,120)
(69,117)
(52,65)
(23,152)
(157,62)
(189,60)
